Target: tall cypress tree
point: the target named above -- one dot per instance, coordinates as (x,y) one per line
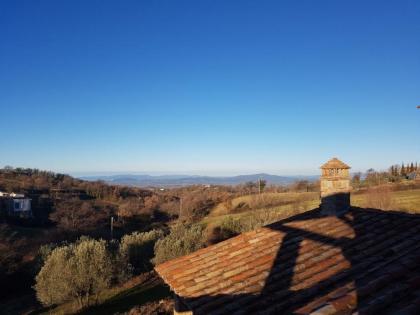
(396,171)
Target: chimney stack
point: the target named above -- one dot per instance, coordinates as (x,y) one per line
(335,188)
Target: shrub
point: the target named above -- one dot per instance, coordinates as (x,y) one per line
(228,228)
(75,271)
(231,227)
(136,249)
(182,240)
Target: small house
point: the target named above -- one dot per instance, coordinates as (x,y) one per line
(414,175)
(15,205)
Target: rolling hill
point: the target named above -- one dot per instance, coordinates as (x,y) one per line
(183,180)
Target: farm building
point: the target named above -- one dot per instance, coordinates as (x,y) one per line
(353,261)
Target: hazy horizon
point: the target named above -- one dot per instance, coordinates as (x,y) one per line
(186,173)
(230,173)
(213,173)
(210,172)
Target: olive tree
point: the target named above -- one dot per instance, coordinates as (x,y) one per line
(182,240)
(53,282)
(136,249)
(77,271)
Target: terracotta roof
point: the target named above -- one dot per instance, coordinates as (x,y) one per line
(367,261)
(335,163)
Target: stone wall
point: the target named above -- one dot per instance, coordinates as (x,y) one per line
(330,186)
(335,191)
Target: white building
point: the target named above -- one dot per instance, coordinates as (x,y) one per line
(13,204)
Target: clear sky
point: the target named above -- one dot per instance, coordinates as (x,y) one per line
(208,87)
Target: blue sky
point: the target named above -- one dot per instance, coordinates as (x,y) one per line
(208,87)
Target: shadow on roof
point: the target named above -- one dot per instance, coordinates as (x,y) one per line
(365,261)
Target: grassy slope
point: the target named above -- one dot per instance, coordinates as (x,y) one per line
(253,201)
(405,200)
(287,206)
(121,299)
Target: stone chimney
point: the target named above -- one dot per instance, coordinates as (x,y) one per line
(335,188)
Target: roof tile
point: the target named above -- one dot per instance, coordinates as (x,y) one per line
(364,261)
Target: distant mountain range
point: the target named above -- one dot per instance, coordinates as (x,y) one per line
(184,180)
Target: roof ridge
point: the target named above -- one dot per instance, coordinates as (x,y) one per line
(335,163)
